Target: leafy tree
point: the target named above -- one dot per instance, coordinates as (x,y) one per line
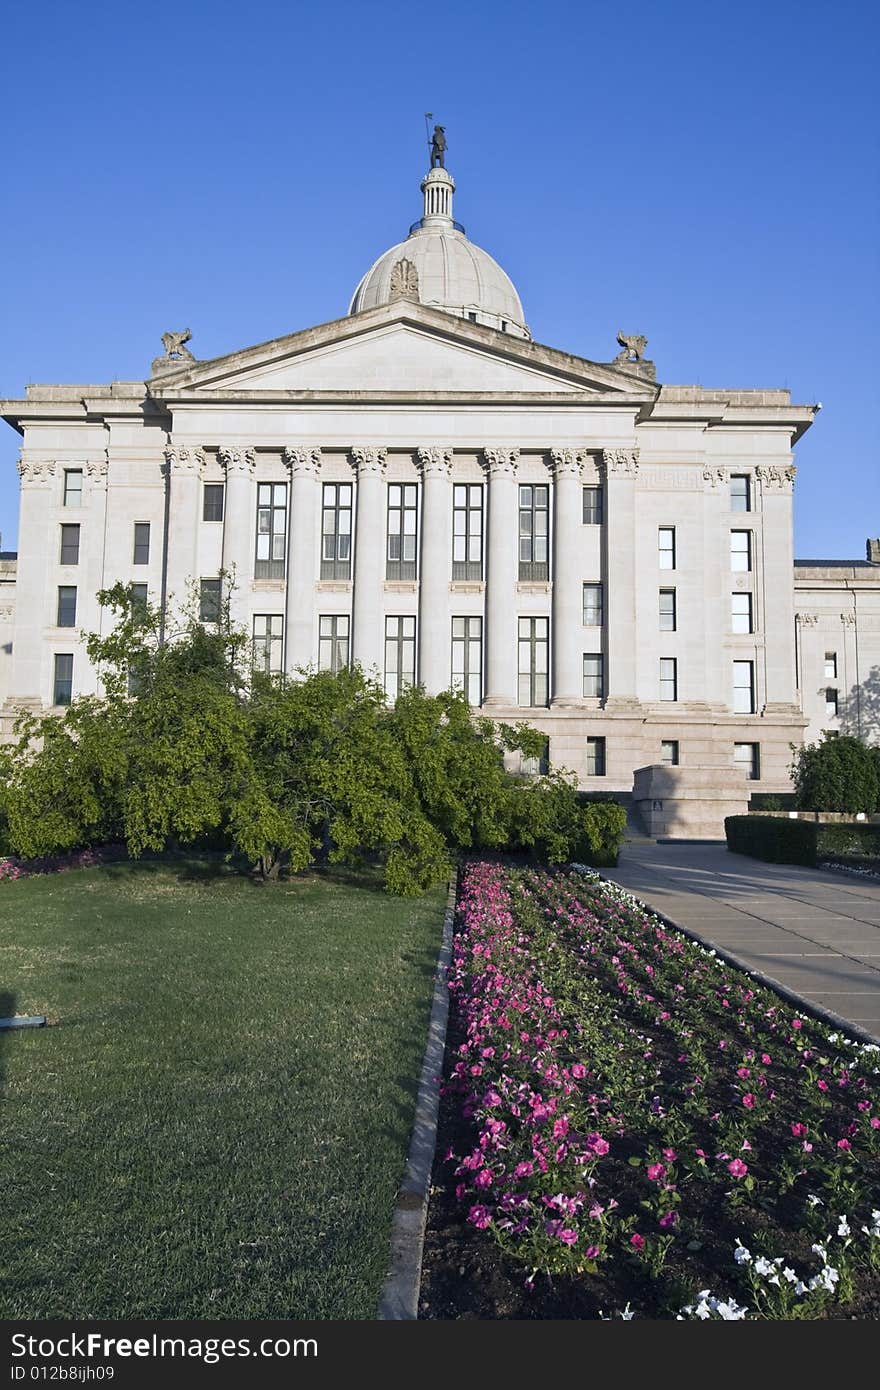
(840,773)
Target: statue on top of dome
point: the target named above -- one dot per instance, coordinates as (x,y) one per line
(438,147)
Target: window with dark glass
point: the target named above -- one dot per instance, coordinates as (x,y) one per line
(467,658)
(403,516)
(740,493)
(73,487)
(668,678)
(70,543)
(741,551)
(66,616)
(595,760)
(744,687)
(669,752)
(538,766)
(748,757)
(594,676)
(741,613)
(62,686)
(594,506)
(831,666)
(832,703)
(268,646)
(141,543)
(534,531)
(400,655)
(210,600)
(668,614)
(533,661)
(594,615)
(336,531)
(139,594)
(666,547)
(467,531)
(333,640)
(212,502)
(271,531)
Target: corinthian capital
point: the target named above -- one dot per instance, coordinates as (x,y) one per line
(501,463)
(567,462)
(624,462)
(303,463)
(775,477)
(369,461)
(36,470)
(435,462)
(180,459)
(237,460)
(97,469)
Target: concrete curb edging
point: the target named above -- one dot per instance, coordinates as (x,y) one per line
(400,1295)
(804,1005)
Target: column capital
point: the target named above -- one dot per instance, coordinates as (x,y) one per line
(567,463)
(369,461)
(713,475)
(237,460)
(36,470)
(302,463)
(96,470)
(435,462)
(775,477)
(179,459)
(623,462)
(501,463)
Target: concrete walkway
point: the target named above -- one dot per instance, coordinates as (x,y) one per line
(813,931)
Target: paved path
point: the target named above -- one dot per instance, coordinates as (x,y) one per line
(813,931)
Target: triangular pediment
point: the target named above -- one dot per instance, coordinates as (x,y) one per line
(397,349)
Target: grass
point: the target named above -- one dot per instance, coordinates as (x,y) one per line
(216,1122)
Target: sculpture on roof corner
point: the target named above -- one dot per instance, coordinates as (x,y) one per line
(175,346)
(632,347)
(438,147)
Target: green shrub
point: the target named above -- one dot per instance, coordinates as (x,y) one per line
(781,841)
(850,841)
(603,825)
(839,774)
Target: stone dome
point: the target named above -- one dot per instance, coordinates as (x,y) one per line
(437,265)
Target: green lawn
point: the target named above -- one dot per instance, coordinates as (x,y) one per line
(217,1120)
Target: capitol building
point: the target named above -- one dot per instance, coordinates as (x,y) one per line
(421,487)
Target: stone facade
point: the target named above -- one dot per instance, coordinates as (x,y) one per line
(837,616)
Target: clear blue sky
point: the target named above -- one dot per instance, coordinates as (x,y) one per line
(706,174)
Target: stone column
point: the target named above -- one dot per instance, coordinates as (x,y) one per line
(777,596)
(435,639)
(567,643)
(89,613)
(183,470)
(369,558)
(302,558)
(239,533)
(502,573)
(39,544)
(621,468)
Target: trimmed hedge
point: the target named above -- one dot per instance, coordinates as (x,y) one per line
(779,841)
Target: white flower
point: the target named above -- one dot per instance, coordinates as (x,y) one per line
(741,1254)
(730,1312)
(763,1266)
(821,1252)
(825,1279)
(627,1314)
(843,1226)
(815,1201)
(800,1287)
(789,1274)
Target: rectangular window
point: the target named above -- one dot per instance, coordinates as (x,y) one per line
(668,678)
(748,757)
(533,661)
(831,666)
(669,752)
(594,676)
(741,613)
(139,595)
(336,531)
(271,531)
(668,617)
(536,767)
(594,506)
(666,547)
(534,531)
(210,600)
(744,687)
(212,502)
(403,518)
(741,551)
(73,487)
(467,531)
(740,493)
(62,689)
(595,760)
(467,658)
(333,638)
(594,614)
(66,616)
(268,649)
(400,655)
(70,543)
(831,703)
(141,543)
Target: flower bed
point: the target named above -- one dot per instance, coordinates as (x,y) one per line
(13,868)
(634,1127)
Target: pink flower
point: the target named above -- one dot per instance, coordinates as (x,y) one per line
(796,1023)
(807,1146)
(749,1100)
(844,1144)
(560,1127)
(737,1168)
(766,1059)
(669,1220)
(637,1241)
(743,1071)
(875,1122)
(480,1217)
(524,1170)
(799,1130)
(823,1085)
(670,1155)
(656,1171)
(591,1252)
(484,1178)
(578,1071)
